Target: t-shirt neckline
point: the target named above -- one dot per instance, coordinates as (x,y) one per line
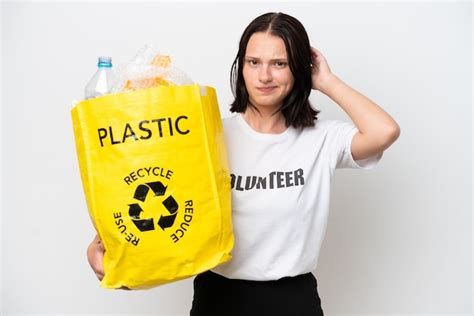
(262,136)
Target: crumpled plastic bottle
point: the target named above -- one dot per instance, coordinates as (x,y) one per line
(102,81)
(148,69)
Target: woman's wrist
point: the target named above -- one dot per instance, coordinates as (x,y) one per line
(328,83)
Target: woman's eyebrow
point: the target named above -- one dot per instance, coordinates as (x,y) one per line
(274,59)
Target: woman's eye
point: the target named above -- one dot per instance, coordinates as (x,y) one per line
(252,62)
(280,64)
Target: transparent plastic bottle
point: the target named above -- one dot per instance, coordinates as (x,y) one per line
(102,81)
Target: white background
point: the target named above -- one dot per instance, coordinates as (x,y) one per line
(399,236)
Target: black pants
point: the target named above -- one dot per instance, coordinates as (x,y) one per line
(289,296)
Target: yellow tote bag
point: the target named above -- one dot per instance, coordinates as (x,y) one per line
(155,175)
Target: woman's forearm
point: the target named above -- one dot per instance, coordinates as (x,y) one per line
(370,119)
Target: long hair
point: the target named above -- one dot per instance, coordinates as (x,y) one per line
(296,107)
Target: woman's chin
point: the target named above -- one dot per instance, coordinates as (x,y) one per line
(267,103)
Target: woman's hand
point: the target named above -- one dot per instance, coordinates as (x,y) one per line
(95,256)
(321,73)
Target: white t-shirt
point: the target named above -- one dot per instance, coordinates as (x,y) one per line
(280,195)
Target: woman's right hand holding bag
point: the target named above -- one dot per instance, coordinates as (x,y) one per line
(95,256)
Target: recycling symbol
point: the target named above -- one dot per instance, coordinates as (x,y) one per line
(141,193)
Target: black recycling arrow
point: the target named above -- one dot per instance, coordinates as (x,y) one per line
(157,187)
(134,211)
(140,192)
(172,207)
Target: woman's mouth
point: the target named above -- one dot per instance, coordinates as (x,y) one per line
(266,89)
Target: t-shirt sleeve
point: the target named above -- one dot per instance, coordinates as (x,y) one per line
(341,134)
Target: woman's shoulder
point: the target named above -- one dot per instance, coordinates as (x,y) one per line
(325,127)
(329,123)
(320,124)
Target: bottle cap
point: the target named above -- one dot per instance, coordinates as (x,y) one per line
(105,61)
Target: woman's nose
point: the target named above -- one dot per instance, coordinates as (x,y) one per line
(265,74)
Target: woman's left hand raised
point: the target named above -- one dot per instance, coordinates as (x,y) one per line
(321,73)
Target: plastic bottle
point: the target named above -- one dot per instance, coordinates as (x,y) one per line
(101,82)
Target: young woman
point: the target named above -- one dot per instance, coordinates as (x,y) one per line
(282,158)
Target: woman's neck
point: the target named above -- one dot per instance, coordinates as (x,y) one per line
(265,121)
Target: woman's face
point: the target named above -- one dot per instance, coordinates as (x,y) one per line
(266,72)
